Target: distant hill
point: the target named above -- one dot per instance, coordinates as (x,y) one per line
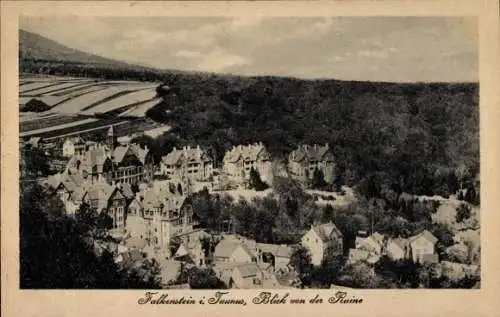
(38,54)
(34,46)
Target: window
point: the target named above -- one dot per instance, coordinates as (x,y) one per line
(257,281)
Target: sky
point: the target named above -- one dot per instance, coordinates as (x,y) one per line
(397,49)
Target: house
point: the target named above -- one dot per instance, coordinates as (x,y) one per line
(367,249)
(275,254)
(320,239)
(422,247)
(187,163)
(250,276)
(397,249)
(233,251)
(238,162)
(111,162)
(306,158)
(373,243)
(191,252)
(108,199)
(73,146)
(157,215)
(67,186)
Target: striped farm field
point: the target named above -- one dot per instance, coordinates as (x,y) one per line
(77,128)
(32,116)
(54,89)
(73,106)
(83,102)
(55,128)
(140,109)
(80,90)
(49,121)
(123,101)
(25,89)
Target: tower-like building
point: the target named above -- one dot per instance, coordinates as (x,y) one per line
(111,139)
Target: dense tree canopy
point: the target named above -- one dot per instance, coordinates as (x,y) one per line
(418,138)
(57,251)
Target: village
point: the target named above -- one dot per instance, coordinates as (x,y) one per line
(150,219)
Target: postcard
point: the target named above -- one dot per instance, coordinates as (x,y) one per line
(196,158)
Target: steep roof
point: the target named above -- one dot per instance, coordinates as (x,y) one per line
(225,248)
(102,192)
(127,191)
(94,158)
(248,270)
(423,235)
(246,152)
(186,153)
(308,152)
(111,131)
(400,242)
(70,181)
(120,152)
(155,197)
(327,231)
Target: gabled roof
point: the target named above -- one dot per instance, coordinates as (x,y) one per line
(188,154)
(225,248)
(308,152)
(327,231)
(248,270)
(70,181)
(246,152)
(155,197)
(423,235)
(373,242)
(94,158)
(277,250)
(102,192)
(400,242)
(119,153)
(127,191)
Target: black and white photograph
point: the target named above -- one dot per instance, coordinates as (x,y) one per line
(249,152)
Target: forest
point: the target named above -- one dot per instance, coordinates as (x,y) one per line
(417,138)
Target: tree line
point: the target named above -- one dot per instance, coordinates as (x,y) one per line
(416,138)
